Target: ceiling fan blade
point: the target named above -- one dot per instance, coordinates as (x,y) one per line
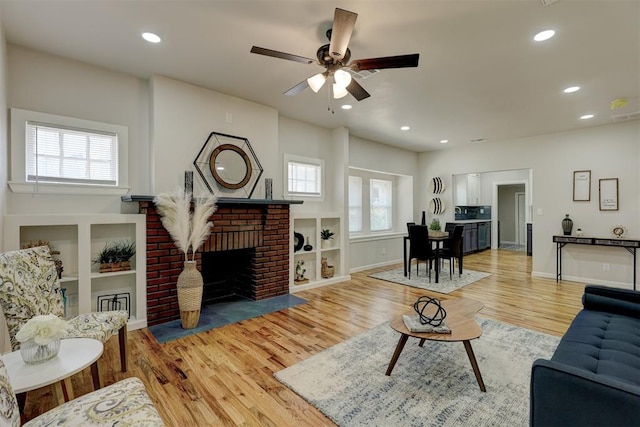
(400,61)
(357,91)
(282,55)
(297,88)
(343,23)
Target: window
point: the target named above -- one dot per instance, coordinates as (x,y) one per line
(380,203)
(304,176)
(66,155)
(381,208)
(355,204)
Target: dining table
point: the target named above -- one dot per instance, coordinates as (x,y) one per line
(438,239)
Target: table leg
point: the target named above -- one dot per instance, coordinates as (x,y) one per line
(437,259)
(67,389)
(474,364)
(22,399)
(404,256)
(58,393)
(95,375)
(421,343)
(396,354)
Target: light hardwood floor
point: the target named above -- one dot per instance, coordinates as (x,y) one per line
(225,376)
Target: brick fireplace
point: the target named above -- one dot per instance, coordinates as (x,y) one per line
(259,227)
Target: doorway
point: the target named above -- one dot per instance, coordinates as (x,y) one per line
(512,233)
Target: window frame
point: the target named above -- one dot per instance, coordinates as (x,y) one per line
(18,181)
(402,203)
(290,158)
(360,230)
(389,208)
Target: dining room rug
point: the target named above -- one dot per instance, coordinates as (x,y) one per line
(432,385)
(224,313)
(445,283)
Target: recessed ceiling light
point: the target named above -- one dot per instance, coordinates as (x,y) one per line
(544,35)
(405,128)
(346,107)
(151,38)
(587,116)
(444,141)
(571,89)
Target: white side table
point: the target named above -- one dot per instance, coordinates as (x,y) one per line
(75,355)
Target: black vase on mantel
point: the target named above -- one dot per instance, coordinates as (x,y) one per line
(567,225)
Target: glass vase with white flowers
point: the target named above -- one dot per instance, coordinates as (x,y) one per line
(40,338)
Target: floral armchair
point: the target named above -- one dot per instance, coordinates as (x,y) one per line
(123,403)
(29,287)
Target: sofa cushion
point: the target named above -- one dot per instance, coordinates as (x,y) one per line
(603,343)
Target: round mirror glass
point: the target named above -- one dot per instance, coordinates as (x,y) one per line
(230,166)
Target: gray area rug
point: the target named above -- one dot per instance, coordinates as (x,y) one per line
(429,386)
(445,284)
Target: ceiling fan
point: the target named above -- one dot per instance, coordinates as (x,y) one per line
(335,58)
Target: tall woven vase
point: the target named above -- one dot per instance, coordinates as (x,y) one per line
(190,295)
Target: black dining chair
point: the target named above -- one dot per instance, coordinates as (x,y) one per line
(409,224)
(452,249)
(420,248)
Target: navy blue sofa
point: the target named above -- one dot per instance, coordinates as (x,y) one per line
(593,377)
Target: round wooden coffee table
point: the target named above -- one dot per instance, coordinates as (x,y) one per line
(460,319)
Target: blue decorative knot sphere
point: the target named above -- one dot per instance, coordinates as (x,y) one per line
(422,303)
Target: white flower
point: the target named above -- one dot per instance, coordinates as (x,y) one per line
(42,329)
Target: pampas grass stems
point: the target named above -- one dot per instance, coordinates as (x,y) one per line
(200,226)
(188,230)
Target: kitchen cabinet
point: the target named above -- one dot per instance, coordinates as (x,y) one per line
(467,189)
(476,235)
(470,237)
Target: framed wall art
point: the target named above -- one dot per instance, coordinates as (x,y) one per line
(581,186)
(608,194)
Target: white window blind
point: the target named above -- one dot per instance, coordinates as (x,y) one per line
(304,178)
(60,154)
(355,204)
(381,204)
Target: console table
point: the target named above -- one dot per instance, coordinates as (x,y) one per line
(631,245)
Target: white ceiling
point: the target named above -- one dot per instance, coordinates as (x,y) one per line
(480,74)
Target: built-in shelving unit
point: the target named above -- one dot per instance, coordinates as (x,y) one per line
(310,226)
(78,238)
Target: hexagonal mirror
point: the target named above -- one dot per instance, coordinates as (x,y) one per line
(228,166)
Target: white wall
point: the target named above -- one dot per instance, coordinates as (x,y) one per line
(380,250)
(306,140)
(183,116)
(4,161)
(609,152)
(50,84)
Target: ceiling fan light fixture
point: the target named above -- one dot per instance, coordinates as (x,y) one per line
(316,82)
(342,78)
(339,91)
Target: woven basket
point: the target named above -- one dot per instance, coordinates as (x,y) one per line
(190,295)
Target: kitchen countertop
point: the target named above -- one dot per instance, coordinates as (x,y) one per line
(466,221)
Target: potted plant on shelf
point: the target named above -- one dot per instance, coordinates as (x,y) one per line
(188,229)
(325,236)
(115,256)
